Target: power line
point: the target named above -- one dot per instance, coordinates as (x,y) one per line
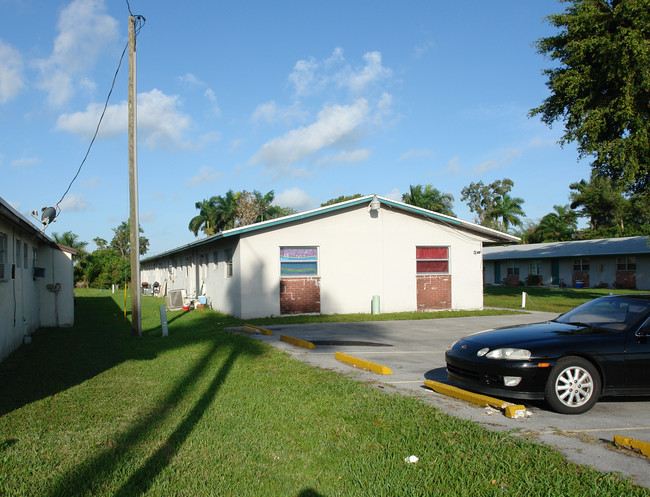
(141,21)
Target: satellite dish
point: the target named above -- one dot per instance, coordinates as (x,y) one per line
(47,216)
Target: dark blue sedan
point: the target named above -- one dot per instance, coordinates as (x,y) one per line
(598,349)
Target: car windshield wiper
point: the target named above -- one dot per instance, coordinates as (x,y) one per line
(578,323)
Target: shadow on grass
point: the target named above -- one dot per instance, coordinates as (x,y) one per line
(309,492)
(92,474)
(59,359)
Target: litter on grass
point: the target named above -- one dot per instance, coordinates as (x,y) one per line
(412,459)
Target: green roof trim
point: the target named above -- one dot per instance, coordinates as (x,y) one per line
(423,212)
(332,208)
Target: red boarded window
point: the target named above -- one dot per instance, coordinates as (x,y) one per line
(432,259)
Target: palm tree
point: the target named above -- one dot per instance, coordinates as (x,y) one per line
(430,198)
(226,210)
(215,214)
(555,226)
(69,239)
(206,221)
(268,211)
(507,211)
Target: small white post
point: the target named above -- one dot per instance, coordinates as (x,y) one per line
(523,299)
(163,320)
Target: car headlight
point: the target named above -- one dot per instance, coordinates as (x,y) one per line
(509,354)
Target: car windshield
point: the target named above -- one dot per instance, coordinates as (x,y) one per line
(612,313)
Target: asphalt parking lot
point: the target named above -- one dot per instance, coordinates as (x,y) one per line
(414,351)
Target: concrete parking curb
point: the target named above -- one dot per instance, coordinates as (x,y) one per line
(362,363)
(298,342)
(633,443)
(510,410)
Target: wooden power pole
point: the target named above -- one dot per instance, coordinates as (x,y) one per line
(134,221)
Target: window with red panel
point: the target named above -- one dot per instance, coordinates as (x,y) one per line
(432,260)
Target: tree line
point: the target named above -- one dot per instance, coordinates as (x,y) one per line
(109,263)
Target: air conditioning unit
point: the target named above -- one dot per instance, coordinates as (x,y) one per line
(175,299)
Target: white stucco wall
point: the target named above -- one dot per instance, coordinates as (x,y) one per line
(26,304)
(57,288)
(361,254)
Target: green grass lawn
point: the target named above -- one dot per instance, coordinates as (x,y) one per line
(90,410)
(542,298)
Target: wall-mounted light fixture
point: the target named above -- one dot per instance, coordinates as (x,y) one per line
(375,204)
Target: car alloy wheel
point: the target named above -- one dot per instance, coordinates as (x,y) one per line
(573,386)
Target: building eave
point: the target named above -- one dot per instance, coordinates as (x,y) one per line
(492,236)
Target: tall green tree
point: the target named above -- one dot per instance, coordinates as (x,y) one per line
(219,213)
(207,219)
(267,210)
(430,198)
(491,202)
(506,212)
(70,239)
(122,240)
(610,211)
(340,199)
(599,86)
(555,226)
(600,201)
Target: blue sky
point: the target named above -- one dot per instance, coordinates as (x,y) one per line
(310,99)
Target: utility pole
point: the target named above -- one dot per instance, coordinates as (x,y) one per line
(134,221)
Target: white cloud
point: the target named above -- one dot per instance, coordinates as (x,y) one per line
(160,121)
(85,30)
(295,198)
(417,154)
(205,175)
(25,162)
(304,76)
(74,203)
(271,113)
(394,194)
(454,166)
(506,158)
(384,107)
(11,72)
(212,98)
(421,50)
(358,80)
(311,76)
(191,79)
(346,157)
(91,183)
(148,217)
(335,124)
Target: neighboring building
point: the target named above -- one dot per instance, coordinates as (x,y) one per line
(608,262)
(335,259)
(36,280)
